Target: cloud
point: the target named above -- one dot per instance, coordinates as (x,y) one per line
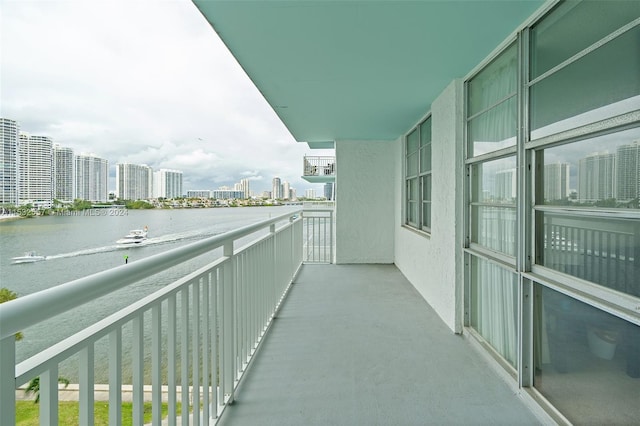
(144,82)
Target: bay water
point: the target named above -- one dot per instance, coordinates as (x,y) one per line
(83,243)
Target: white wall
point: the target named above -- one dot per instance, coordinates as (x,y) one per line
(434,264)
(365,207)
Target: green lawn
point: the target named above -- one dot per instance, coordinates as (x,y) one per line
(27,413)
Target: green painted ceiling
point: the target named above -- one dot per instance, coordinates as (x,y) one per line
(366,70)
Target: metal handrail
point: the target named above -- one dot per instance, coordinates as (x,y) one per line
(55,300)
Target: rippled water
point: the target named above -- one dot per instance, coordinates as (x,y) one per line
(83,244)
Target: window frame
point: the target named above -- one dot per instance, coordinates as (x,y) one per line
(422,178)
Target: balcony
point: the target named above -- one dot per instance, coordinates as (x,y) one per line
(319,169)
(290,343)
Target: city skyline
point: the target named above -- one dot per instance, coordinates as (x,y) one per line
(161,90)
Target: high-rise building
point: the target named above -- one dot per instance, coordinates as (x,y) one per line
(310,194)
(35,170)
(596,177)
(505,185)
(199,193)
(286,190)
(9,131)
(276,192)
(134,181)
(556,181)
(92,175)
(244,187)
(628,171)
(167,184)
(63,173)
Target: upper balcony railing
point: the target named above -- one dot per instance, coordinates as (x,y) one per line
(201,330)
(319,169)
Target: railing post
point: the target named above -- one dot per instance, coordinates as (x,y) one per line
(331,236)
(228,323)
(8,381)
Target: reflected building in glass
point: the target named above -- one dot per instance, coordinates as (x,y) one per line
(628,171)
(596,177)
(556,181)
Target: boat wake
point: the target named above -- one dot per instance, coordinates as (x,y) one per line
(164,239)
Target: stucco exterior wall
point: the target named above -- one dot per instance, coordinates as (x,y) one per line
(365,209)
(434,263)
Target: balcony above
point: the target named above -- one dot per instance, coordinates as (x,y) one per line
(319,169)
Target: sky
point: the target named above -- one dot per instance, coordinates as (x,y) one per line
(144,82)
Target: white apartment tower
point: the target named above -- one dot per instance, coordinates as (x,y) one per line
(628,171)
(505,185)
(9,131)
(276,193)
(556,181)
(92,175)
(134,181)
(167,183)
(286,190)
(35,171)
(244,187)
(63,173)
(596,177)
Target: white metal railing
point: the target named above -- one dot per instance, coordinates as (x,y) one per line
(319,166)
(318,235)
(204,327)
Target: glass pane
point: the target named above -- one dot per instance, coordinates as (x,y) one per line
(603,84)
(426,214)
(426,188)
(578,25)
(494,228)
(587,362)
(495,182)
(412,142)
(495,82)
(412,201)
(412,164)
(603,250)
(601,172)
(425,158)
(425,132)
(493,307)
(494,129)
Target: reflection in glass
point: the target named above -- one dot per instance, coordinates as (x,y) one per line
(412,201)
(426,201)
(495,182)
(493,307)
(605,251)
(494,228)
(601,172)
(603,84)
(587,362)
(492,104)
(584,22)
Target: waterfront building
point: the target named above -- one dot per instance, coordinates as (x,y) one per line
(628,171)
(199,193)
(310,194)
(470,99)
(167,184)
(276,192)
(134,181)
(92,175)
(9,131)
(556,181)
(227,194)
(63,174)
(286,190)
(35,171)
(245,188)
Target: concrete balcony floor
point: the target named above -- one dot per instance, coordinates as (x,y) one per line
(357,345)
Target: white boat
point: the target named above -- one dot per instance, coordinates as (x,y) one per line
(29,257)
(135,236)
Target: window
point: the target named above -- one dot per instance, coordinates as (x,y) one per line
(552,250)
(418,177)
